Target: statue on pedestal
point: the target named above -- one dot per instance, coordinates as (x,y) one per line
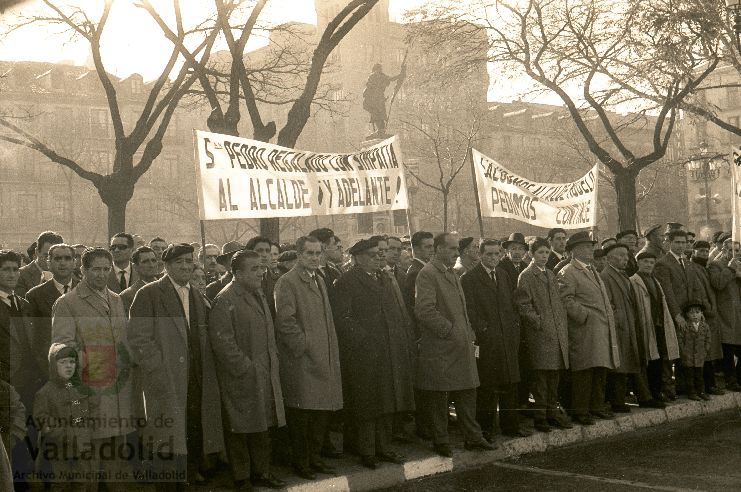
(374,98)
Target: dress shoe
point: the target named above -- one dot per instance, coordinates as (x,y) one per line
(652,404)
(693,397)
(482,445)
(542,426)
(369,462)
(330,453)
(518,433)
(663,397)
(621,408)
(602,414)
(583,419)
(304,472)
(704,396)
(561,423)
(322,467)
(391,457)
(443,450)
(733,387)
(716,391)
(243,486)
(269,481)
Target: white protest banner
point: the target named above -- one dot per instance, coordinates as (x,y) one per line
(239,178)
(505,194)
(736,184)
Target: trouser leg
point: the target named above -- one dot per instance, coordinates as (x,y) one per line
(486,405)
(654,377)
(617,384)
(697,380)
(465,408)
(318,421)
(581,391)
(552,379)
(509,418)
(365,437)
(640,385)
(540,388)
(689,381)
(599,380)
(238,452)
(667,380)
(298,428)
(708,375)
(436,404)
(384,431)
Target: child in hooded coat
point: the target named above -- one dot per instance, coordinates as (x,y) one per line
(62,410)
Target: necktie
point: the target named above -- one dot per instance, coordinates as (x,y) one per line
(66,289)
(594,272)
(493,276)
(13,303)
(122,280)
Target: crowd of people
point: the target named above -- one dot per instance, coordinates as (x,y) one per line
(151,363)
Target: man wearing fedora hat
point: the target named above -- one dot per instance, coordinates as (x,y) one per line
(515,248)
(593,346)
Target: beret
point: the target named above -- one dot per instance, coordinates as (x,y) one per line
(626,232)
(289,255)
(173,251)
(599,253)
(645,254)
(362,245)
(651,229)
(615,246)
(607,240)
(701,245)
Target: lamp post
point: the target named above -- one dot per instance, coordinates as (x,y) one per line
(706,168)
(734,8)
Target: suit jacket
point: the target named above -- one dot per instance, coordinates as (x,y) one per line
(496,324)
(30,278)
(408,291)
(677,284)
(113,280)
(543,318)
(97,329)
(728,294)
(241,331)
(446,356)
(553,260)
(307,343)
(13,343)
(158,335)
(127,296)
(592,337)
(624,306)
(41,300)
(513,271)
(330,274)
(213,289)
(376,346)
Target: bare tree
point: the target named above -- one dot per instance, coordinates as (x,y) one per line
(117,187)
(564,47)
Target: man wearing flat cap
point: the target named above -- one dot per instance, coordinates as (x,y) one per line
(654,241)
(168,338)
(376,351)
(593,346)
(224,259)
(468,256)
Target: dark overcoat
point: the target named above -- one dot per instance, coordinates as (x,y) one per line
(676,281)
(243,340)
(543,319)
(592,337)
(446,358)
(728,294)
(127,296)
(623,300)
(513,271)
(705,292)
(30,277)
(376,346)
(158,335)
(307,343)
(496,323)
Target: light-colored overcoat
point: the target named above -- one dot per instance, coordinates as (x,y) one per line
(543,319)
(96,328)
(623,302)
(592,337)
(158,335)
(446,358)
(728,294)
(243,339)
(307,343)
(643,299)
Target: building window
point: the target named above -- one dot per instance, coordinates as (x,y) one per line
(732,97)
(99,123)
(136,85)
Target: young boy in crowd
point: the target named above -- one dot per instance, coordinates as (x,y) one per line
(694,345)
(62,413)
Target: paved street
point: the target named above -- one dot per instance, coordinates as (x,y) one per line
(694,454)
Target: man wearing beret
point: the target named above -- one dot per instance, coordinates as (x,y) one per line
(468,256)
(660,338)
(169,340)
(446,362)
(631,343)
(593,346)
(629,238)
(376,350)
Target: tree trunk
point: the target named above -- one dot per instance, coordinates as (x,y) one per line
(115,190)
(445,211)
(270,228)
(625,188)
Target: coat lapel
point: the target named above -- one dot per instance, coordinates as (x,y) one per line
(94,300)
(172,305)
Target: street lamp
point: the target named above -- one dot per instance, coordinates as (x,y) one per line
(734,7)
(706,168)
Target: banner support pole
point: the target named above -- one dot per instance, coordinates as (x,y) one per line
(203,239)
(476,193)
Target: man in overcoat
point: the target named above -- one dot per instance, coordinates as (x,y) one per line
(593,346)
(446,361)
(725,277)
(243,340)
(91,319)
(145,264)
(544,323)
(654,241)
(33,274)
(629,332)
(376,350)
(170,345)
(629,238)
(495,322)
(309,357)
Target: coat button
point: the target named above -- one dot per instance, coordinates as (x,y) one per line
(182,359)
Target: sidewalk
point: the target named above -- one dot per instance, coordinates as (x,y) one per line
(423,462)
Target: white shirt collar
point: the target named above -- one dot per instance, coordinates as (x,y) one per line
(677,257)
(178,286)
(581,263)
(558,255)
(489,270)
(5,297)
(119,270)
(60,287)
